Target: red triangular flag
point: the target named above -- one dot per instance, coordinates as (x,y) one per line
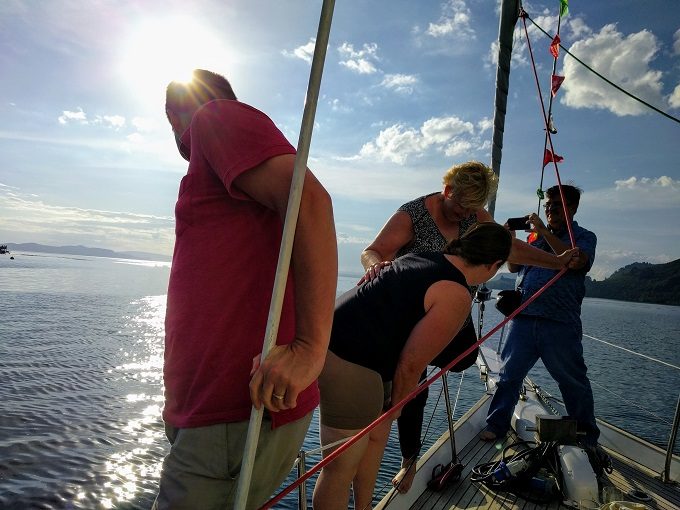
(556,81)
(549,156)
(555,46)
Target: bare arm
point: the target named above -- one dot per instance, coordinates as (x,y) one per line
(556,243)
(447,305)
(396,233)
(291,368)
(523,253)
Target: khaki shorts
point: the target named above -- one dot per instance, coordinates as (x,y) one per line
(352,396)
(202,469)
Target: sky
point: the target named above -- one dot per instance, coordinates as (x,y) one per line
(87,156)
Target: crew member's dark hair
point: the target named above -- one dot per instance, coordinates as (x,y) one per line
(484,243)
(572,194)
(204,86)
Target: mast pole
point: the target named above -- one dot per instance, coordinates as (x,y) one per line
(287,238)
(508,19)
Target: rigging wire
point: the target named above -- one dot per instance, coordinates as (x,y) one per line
(633,352)
(523,15)
(632,96)
(548,130)
(631,403)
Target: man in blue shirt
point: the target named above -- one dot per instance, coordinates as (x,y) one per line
(550,327)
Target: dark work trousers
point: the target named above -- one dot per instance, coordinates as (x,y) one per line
(410,422)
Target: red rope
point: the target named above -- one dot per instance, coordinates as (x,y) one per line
(547,131)
(402,403)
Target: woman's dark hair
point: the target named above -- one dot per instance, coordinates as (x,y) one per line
(484,243)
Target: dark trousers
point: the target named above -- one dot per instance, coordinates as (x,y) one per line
(410,422)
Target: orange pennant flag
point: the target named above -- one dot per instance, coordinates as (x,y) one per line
(548,156)
(555,46)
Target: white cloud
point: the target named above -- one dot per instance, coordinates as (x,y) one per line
(637,193)
(395,144)
(399,143)
(79,116)
(485,124)
(674,99)
(624,60)
(69,116)
(360,61)
(578,28)
(440,130)
(647,183)
(115,121)
(402,83)
(458,148)
(676,42)
(304,52)
(454,21)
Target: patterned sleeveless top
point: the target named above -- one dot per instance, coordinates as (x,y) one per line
(426,234)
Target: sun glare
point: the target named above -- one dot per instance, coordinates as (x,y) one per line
(160,51)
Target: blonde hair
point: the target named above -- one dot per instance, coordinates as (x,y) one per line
(472,183)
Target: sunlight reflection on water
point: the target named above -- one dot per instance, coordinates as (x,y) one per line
(127,469)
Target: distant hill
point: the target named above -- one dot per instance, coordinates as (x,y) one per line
(503,281)
(642,282)
(84,250)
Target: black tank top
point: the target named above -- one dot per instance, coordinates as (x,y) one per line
(373,321)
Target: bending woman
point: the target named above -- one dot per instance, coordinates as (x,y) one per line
(384,334)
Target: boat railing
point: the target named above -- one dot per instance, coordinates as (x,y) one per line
(666,475)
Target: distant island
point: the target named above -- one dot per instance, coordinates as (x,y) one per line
(85,251)
(640,282)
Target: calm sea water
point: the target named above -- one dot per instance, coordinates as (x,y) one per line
(81,343)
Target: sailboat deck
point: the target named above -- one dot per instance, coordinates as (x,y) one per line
(466,494)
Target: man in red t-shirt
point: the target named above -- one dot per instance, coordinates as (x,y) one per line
(229,220)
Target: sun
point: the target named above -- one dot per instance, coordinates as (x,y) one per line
(159,51)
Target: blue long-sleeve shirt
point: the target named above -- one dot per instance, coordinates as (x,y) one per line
(562,301)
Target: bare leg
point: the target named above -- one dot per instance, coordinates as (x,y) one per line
(403,480)
(331,491)
(364,481)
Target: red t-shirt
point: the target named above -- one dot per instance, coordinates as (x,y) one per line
(222,275)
